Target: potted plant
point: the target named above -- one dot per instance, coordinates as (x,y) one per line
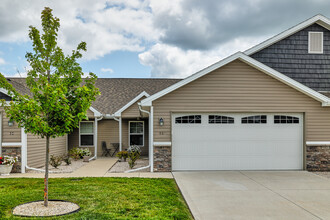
(122,155)
(86,153)
(6,164)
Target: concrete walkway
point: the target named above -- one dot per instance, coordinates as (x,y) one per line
(255,194)
(95,168)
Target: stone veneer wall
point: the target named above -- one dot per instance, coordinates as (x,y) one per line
(162,159)
(318,158)
(14,152)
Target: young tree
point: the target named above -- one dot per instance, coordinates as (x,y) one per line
(59,98)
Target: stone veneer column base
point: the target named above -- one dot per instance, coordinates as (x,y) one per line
(162,159)
(14,152)
(318,158)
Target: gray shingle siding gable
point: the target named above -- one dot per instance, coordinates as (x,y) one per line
(290,56)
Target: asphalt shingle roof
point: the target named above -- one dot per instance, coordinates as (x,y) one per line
(115,92)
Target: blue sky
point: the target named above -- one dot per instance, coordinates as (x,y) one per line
(149,38)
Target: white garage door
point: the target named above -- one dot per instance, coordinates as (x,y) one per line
(237,141)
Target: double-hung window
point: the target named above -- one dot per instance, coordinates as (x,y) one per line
(136,133)
(86,133)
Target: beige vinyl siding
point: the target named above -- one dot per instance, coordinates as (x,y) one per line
(238,87)
(132,111)
(108,131)
(9,134)
(90,114)
(36,149)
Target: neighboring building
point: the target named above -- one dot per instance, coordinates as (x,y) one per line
(263,109)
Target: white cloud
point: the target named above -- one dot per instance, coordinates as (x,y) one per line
(105,26)
(108,70)
(2,61)
(171,61)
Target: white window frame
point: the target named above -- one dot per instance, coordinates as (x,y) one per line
(309,42)
(87,134)
(129,133)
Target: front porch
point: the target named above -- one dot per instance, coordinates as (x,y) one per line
(115,134)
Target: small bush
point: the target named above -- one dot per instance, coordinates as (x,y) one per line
(134,153)
(122,154)
(55,161)
(67,159)
(74,153)
(78,153)
(85,152)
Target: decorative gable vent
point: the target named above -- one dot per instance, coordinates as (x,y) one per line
(315,42)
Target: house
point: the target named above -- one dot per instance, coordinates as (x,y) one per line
(267,108)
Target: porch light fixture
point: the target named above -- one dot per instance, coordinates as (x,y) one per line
(161,121)
(10,123)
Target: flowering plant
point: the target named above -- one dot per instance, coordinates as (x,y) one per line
(8,160)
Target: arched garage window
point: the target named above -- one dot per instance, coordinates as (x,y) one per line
(256,119)
(220,119)
(189,119)
(284,119)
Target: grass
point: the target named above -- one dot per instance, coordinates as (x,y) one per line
(100,198)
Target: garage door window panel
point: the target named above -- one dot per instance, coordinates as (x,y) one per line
(220,119)
(189,119)
(255,119)
(284,119)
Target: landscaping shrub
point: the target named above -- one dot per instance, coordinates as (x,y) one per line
(55,161)
(122,154)
(78,153)
(74,153)
(67,159)
(134,153)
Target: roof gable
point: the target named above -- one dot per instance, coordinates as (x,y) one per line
(318,19)
(250,61)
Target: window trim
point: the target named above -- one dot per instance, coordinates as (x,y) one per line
(87,134)
(309,42)
(129,133)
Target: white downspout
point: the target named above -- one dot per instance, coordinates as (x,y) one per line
(151,157)
(95,138)
(23,150)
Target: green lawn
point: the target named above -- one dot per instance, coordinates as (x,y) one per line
(100,198)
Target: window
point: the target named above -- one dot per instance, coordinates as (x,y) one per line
(189,119)
(315,42)
(256,119)
(219,119)
(283,119)
(86,133)
(136,133)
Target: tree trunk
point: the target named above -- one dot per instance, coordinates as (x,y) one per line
(46,173)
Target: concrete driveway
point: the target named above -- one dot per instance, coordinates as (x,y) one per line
(255,194)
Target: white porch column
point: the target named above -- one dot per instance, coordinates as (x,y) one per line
(151,139)
(23,150)
(120,134)
(95,138)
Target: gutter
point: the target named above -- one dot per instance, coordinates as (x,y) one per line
(150,140)
(95,147)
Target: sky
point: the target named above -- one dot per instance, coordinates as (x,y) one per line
(152,38)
